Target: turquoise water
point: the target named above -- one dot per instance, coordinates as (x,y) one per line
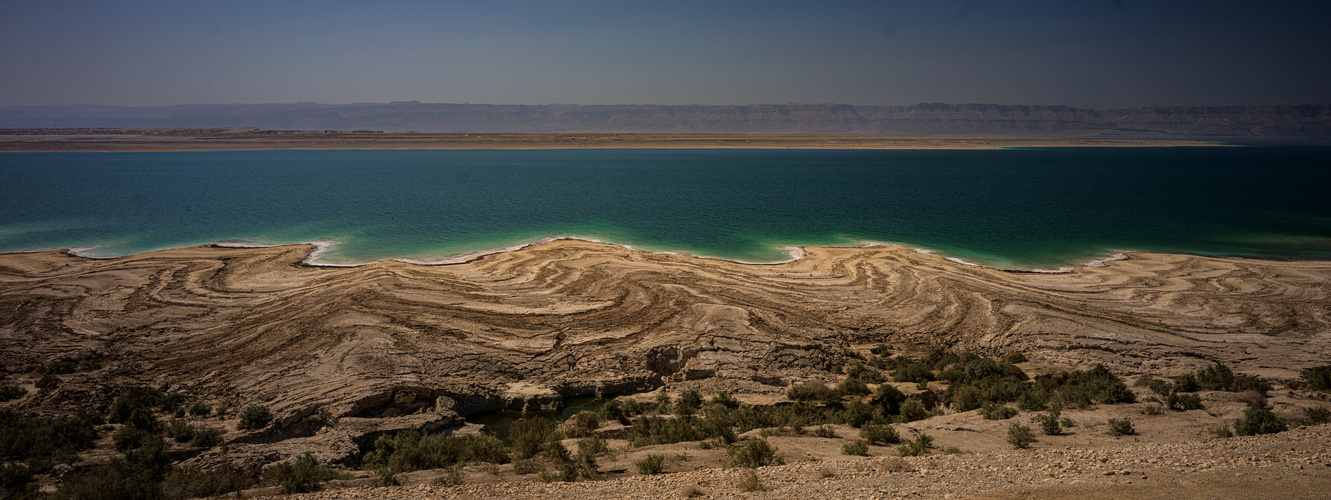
(1041,208)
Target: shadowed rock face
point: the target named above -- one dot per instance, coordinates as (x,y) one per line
(525,328)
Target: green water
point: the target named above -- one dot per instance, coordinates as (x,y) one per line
(498,422)
(1040,208)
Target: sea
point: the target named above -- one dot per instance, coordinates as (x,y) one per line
(1028,209)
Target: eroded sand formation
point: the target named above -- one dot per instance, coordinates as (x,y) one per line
(341,352)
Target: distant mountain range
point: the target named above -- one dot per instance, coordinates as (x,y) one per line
(1258,122)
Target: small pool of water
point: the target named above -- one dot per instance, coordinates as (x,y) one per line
(498,422)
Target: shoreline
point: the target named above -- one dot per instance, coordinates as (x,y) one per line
(796,252)
(107,143)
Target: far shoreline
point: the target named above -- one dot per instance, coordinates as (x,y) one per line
(182,140)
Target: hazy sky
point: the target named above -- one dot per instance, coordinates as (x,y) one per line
(1079,52)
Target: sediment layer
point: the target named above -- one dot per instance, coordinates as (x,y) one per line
(526,327)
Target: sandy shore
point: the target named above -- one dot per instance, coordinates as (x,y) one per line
(56,141)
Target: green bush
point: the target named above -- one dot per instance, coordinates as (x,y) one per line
(881,349)
(1319,378)
(1258,420)
(524,467)
(997,411)
(46,440)
(1020,436)
(912,409)
(1183,402)
(754,453)
(652,465)
(410,451)
(1317,414)
(880,434)
(689,399)
(10,392)
(205,438)
(193,482)
(200,409)
(583,424)
(912,373)
(852,386)
(180,431)
(594,445)
(726,400)
(858,414)
(62,367)
(1121,427)
(305,474)
(132,399)
(254,417)
(1219,377)
(866,374)
(825,432)
(1049,423)
(800,392)
(529,435)
(917,447)
(47,380)
(858,448)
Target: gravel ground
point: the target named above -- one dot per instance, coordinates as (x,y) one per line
(1301,452)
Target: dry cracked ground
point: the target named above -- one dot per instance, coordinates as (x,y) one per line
(341,353)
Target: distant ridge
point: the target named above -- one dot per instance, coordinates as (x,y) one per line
(1257,122)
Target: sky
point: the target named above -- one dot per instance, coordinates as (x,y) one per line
(1096,53)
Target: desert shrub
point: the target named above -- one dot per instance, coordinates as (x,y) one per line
(800,392)
(200,409)
(1319,378)
(585,462)
(47,380)
(750,483)
(726,400)
(180,430)
(649,430)
(997,411)
(1317,414)
(858,448)
(1049,423)
(653,464)
(1020,436)
(305,474)
(1153,410)
(825,432)
(254,417)
(952,450)
(866,374)
(889,398)
(1183,402)
(193,482)
(594,445)
(1221,432)
(524,467)
(912,409)
(880,434)
(1067,422)
(583,424)
(134,398)
(1251,398)
(853,387)
(912,372)
(46,439)
(410,451)
(917,447)
(1258,420)
(14,481)
(1121,427)
(529,435)
(689,399)
(857,414)
(1030,401)
(61,367)
(1014,357)
(881,349)
(10,392)
(205,438)
(1219,377)
(754,453)
(130,437)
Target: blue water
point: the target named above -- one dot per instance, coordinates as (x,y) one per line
(1040,208)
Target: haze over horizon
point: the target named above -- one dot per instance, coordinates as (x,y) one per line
(1090,53)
